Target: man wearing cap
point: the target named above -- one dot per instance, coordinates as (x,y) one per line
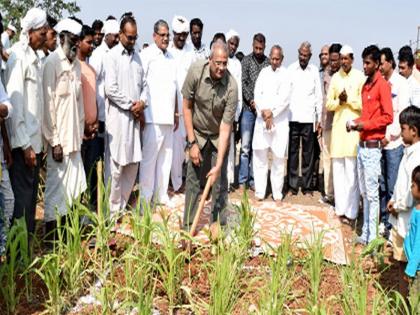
(183,57)
(64,122)
(6,38)
(110,30)
(344,99)
(24,87)
(126,90)
(235,69)
(161,116)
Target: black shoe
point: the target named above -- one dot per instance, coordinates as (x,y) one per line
(307,192)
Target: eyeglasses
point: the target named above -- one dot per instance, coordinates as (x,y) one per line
(131,38)
(164,35)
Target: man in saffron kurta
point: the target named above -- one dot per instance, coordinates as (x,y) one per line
(344,99)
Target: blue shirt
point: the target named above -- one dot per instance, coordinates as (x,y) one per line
(412,244)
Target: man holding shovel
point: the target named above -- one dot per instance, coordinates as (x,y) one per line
(210,99)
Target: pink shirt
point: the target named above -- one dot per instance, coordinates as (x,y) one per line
(89,93)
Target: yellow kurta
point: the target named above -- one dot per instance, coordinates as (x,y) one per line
(343,143)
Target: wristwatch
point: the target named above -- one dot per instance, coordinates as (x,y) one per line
(190,144)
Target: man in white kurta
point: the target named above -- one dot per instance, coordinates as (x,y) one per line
(271,126)
(24,87)
(183,56)
(126,91)
(161,117)
(235,69)
(63,124)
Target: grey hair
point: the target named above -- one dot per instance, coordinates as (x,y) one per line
(306,45)
(277,47)
(159,24)
(219,44)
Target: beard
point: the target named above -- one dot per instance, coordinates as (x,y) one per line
(69,48)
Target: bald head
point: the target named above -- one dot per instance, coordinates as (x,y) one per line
(276,57)
(218,60)
(219,47)
(324,56)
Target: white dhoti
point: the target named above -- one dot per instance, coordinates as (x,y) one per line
(178,155)
(231,160)
(155,166)
(122,181)
(65,182)
(260,165)
(346,188)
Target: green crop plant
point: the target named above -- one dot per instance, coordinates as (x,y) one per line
(226,277)
(17,262)
(245,232)
(275,294)
(314,267)
(170,262)
(48,268)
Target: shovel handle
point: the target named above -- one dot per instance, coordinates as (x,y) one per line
(200,206)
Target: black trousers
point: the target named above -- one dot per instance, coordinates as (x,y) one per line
(297,132)
(25,182)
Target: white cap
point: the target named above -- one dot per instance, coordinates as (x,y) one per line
(68,25)
(231,33)
(180,24)
(346,50)
(34,18)
(111,27)
(11,27)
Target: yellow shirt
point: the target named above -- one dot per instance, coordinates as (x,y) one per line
(343,143)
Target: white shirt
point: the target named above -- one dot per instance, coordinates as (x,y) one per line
(272,90)
(400,100)
(183,59)
(24,87)
(64,115)
(402,197)
(5,41)
(124,83)
(160,73)
(306,93)
(201,53)
(235,69)
(97,62)
(414,91)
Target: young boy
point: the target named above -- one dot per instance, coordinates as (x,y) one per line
(402,201)
(412,243)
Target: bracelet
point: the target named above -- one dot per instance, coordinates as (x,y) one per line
(190,144)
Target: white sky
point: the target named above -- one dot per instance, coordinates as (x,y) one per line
(391,23)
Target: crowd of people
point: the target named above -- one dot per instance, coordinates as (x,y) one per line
(170,114)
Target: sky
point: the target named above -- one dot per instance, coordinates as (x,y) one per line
(358,23)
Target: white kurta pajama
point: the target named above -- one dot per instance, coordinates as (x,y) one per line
(235,69)
(124,84)
(183,60)
(272,90)
(63,125)
(158,133)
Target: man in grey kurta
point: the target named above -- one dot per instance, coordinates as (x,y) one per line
(126,91)
(210,98)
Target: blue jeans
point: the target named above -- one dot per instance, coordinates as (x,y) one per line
(246,175)
(390,163)
(369,171)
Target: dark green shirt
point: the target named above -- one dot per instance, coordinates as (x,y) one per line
(213,101)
